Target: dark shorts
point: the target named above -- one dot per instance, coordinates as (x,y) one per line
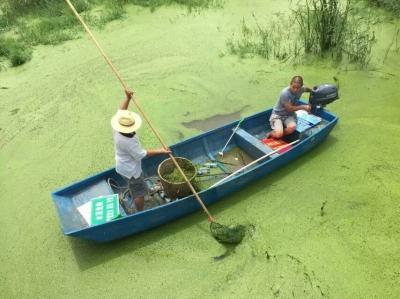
(137,187)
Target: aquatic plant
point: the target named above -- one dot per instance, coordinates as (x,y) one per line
(15,51)
(266,41)
(190,4)
(357,44)
(50,22)
(176,177)
(390,5)
(324,28)
(233,235)
(48,31)
(45,7)
(33,22)
(322,24)
(395,44)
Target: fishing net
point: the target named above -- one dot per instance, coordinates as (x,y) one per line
(232,234)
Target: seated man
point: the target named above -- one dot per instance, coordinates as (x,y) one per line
(283,119)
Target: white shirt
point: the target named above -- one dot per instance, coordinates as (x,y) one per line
(128,155)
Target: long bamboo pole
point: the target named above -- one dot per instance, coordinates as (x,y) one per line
(124,85)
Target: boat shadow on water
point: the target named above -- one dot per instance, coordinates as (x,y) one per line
(90,254)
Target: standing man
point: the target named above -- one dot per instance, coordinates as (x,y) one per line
(283,119)
(129,152)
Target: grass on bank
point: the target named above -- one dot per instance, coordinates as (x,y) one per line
(17,7)
(16,52)
(27,23)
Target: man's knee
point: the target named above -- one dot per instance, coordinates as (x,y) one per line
(291,128)
(139,202)
(277,134)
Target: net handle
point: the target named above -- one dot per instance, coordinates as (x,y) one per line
(124,85)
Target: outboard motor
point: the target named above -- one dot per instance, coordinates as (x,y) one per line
(322,95)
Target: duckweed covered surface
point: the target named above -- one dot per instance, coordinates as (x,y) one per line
(55,129)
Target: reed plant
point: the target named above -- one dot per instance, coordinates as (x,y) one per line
(358,42)
(322,24)
(391,5)
(324,28)
(271,41)
(328,27)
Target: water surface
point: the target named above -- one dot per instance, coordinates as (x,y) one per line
(55,129)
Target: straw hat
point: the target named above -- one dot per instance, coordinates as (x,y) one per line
(126,121)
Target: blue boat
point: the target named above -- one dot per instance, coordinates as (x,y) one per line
(260,159)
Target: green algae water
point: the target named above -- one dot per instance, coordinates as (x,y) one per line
(55,129)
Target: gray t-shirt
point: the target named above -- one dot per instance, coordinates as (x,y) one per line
(128,155)
(286,96)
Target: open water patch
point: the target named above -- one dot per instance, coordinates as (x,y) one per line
(213,121)
(14,111)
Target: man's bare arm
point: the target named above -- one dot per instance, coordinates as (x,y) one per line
(292,108)
(125,103)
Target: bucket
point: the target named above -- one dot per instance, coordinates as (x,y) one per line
(175,190)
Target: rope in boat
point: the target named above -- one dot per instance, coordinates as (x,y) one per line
(122,191)
(211,219)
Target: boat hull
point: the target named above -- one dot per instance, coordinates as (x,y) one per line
(198,148)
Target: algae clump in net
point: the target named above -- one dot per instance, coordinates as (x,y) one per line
(176,177)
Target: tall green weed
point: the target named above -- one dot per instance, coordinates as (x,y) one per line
(270,41)
(17,52)
(390,5)
(324,28)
